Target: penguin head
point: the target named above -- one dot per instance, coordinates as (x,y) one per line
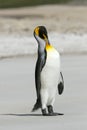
(40,34)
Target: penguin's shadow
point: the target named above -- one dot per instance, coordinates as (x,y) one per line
(12,114)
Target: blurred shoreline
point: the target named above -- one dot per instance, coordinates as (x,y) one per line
(66,25)
(57,18)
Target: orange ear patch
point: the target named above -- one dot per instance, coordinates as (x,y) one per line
(37,31)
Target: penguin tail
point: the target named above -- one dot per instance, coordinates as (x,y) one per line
(37,105)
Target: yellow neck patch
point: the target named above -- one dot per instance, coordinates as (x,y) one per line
(49,47)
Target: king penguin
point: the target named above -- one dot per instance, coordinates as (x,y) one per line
(48,76)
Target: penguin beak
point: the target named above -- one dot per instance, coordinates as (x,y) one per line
(46,39)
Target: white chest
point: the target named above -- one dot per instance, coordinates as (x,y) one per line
(53,59)
(51,71)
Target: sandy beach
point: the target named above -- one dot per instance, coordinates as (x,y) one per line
(66,25)
(62,19)
(17,95)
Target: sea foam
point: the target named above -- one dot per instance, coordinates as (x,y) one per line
(12,45)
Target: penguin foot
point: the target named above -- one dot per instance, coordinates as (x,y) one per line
(44,113)
(54,114)
(50,110)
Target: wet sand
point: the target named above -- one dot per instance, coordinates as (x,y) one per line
(17,95)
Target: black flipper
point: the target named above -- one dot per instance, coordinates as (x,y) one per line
(61,85)
(39,65)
